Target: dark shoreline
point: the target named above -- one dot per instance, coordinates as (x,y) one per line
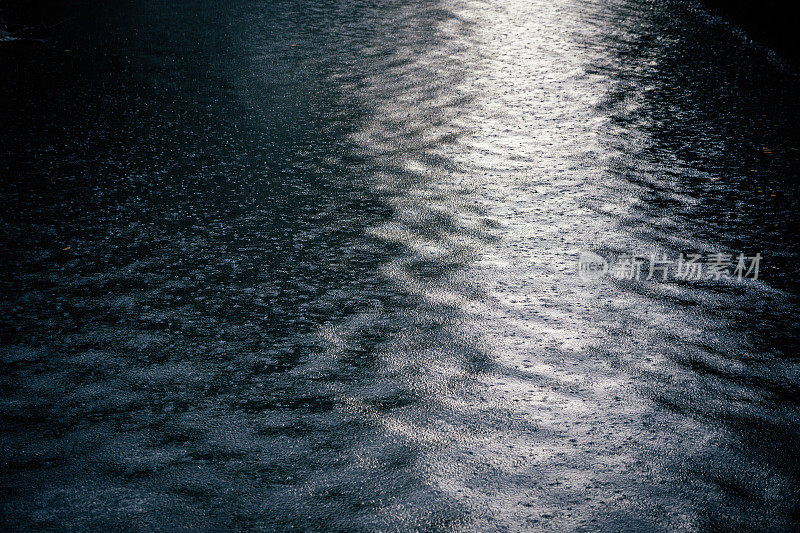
(768,22)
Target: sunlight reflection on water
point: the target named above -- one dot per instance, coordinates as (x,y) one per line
(322,272)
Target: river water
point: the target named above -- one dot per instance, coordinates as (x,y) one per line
(313,265)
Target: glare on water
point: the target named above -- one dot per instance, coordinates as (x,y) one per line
(322,272)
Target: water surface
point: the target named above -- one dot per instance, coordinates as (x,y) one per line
(273,265)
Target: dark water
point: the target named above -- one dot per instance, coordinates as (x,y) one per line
(274,265)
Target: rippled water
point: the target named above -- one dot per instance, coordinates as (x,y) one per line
(273,264)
